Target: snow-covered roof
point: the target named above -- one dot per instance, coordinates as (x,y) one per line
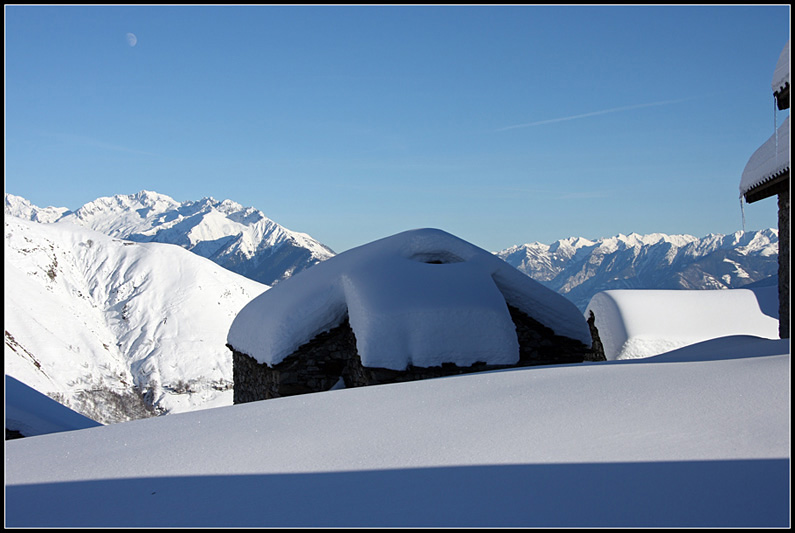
(641,323)
(769,161)
(403,309)
(781,73)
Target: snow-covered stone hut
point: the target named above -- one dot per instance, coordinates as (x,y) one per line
(419,304)
(639,323)
(767,174)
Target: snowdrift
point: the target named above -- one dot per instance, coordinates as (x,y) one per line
(698,438)
(31,413)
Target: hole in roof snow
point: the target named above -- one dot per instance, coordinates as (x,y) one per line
(436,258)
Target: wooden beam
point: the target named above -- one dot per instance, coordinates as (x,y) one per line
(769,188)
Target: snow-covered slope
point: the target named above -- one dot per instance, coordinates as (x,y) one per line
(694,438)
(241,239)
(579,268)
(113,328)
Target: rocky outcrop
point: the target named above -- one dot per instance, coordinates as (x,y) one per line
(597,348)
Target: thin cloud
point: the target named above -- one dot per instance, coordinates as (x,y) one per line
(94,143)
(547,194)
(593,114)
(586,195)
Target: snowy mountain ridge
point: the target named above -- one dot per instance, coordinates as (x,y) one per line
(241,239)
(22,208)
(579,268)
(244,240)
(115,329)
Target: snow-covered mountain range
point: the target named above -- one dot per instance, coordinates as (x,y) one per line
(115,329)
(240,239)
(244,240)
(578,268)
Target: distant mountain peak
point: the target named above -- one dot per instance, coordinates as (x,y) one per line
(239,238)
(579,268)
(22,208)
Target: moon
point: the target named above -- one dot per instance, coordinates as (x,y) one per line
(131,39)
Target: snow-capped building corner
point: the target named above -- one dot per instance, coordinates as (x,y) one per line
(767,171)
(421,303)
(780,83)
(767,174)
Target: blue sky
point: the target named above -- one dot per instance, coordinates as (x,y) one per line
(501,125)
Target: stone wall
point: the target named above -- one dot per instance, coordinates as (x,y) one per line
(783,262)
(331,359)
(316,366)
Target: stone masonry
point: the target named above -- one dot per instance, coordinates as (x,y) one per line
(331,359)
(783,262)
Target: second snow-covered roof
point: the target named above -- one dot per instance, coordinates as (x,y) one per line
(641,323)
(769,161)
(405,310)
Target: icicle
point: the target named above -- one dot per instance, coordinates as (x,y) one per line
(775,126)
(742,212)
